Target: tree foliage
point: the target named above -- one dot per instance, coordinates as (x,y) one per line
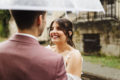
(4,20)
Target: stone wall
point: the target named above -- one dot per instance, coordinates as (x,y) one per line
(109,36)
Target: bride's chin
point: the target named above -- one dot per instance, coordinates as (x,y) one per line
(55,42)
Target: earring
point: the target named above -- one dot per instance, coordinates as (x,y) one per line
(70,33)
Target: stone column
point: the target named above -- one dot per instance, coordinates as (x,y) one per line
(118,9)
(12,26)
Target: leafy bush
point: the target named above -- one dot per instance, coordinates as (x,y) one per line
(4,19)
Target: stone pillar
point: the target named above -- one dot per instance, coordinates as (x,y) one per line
(118,9)
(12,26)
(91,16)
(105,5)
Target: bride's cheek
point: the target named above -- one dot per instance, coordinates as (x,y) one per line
(50,34)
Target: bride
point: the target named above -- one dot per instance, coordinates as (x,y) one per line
(61,37)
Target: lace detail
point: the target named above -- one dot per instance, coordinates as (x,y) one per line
(69,55)
(70,76)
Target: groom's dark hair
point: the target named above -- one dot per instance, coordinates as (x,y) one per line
(25,19)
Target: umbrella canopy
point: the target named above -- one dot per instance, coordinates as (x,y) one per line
(52,5)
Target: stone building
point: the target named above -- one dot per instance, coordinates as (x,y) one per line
(98,32)
(93,31)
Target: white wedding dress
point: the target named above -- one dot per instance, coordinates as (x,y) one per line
(70,76)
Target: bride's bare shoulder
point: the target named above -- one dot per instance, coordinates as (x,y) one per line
(75,54)
(75,51)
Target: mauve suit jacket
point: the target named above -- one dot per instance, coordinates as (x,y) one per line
(50,65)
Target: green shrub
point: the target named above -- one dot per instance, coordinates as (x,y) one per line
(4,20)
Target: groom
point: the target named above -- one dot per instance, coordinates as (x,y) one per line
(30,25)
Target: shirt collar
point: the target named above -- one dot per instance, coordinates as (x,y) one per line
(29,35)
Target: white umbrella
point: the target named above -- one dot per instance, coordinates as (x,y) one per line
(88,5)
(52,5)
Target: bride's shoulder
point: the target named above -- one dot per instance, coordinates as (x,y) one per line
(76,55)
(75,52)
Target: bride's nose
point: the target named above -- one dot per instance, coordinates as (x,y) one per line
(54,30)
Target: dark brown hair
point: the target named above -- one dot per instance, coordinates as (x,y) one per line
(25,19)
(65,26)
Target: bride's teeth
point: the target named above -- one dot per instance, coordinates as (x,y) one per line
(55,36)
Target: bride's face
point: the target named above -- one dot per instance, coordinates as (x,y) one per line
(56,34)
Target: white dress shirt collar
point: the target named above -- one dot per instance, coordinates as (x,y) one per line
(24,34)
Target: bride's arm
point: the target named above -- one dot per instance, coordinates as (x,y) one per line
(74,65)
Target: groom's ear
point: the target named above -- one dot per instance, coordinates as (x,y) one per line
(39,20)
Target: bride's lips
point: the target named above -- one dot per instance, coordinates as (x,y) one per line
(55,36)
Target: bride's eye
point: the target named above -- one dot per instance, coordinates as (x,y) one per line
(59,28)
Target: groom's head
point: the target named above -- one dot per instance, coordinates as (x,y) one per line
(30,20)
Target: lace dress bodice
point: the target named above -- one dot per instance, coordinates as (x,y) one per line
(70,76)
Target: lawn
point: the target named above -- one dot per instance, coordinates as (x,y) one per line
(108,61)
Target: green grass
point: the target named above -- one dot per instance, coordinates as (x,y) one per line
(108,61)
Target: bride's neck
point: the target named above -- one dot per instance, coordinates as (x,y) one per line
(60,48)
